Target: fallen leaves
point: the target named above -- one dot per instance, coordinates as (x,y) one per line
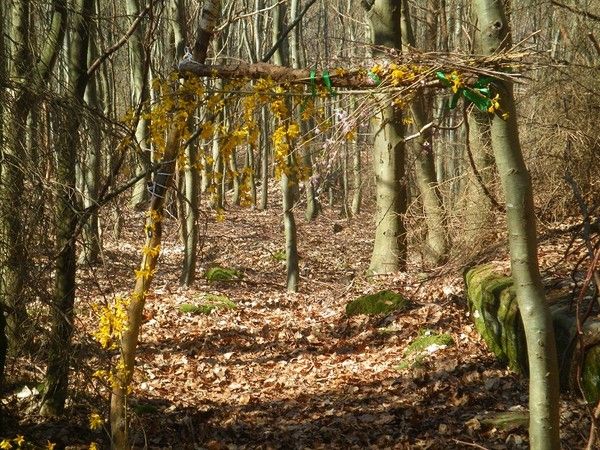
(292,370)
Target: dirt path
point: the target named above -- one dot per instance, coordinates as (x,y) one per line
(291,371)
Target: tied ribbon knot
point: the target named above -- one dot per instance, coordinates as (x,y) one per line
(479,93)
(326,80)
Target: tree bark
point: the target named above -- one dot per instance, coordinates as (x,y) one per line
(57,372)
(389,248)
(435,247)
(91,165)
(30,79)
(516,184)
(138,60)
(118,409)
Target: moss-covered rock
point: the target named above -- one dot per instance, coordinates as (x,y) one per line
(383,302)
(208,304)
(483,293)
(590,378)
(427,339)
(493,305)
(507,420)
(218,273)
(427,342)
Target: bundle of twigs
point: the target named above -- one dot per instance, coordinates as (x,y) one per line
(407,70)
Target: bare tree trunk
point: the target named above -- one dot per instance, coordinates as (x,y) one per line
(90,168)
(389,248)
(32,77)
(479,217)
(138,60)
(190,193)
(264,159)
(57,373)
(288,173)
(436,244)
(518,193)
(118,409)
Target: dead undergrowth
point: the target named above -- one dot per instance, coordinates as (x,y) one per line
(288,370)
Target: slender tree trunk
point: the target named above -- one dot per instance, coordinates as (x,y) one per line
(190,212)
(190,175)
(30,79)
(139,95)
(57,373)
(518,193)
(291,240)
(356,179)
(90,169)
(389,248)
(288,173)
(250,171)
(118,409)
(295,59)
(436,244)
(235,176)
(264,160)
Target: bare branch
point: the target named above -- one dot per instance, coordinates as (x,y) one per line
(579,12)
(108,52)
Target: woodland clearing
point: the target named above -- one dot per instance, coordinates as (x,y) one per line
(284,370)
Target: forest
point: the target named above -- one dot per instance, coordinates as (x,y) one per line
(299,224)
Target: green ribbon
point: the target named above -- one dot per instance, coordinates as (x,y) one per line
(327,81)
(373,76)
(479,94)
(313,83)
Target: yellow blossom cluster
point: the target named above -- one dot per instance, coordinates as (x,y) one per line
(115,377)
(397,74)
(17,442)
(112,322)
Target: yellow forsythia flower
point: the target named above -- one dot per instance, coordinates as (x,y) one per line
(50,445)
(5,444)
(93,446)
(96,421)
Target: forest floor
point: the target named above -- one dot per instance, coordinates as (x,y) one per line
(288,371)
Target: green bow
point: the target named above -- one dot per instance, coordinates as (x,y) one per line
(479,94)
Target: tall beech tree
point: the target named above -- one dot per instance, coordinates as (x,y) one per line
(57,373)
(389,248)
(494,36)
(30,72)
(435,247)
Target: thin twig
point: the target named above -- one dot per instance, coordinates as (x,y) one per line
(109,51)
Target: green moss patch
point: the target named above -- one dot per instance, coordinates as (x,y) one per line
(218,273)
(279,255)
(507,420)
(429,340)
(210,303)
(590,378)
(383,302)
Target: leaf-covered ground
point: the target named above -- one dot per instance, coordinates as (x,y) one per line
(288,371)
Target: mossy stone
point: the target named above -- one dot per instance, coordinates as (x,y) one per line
(218,273)
(493,305)
(427,339)
(210,303)
(590,378)
(383,302)
(483,295)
